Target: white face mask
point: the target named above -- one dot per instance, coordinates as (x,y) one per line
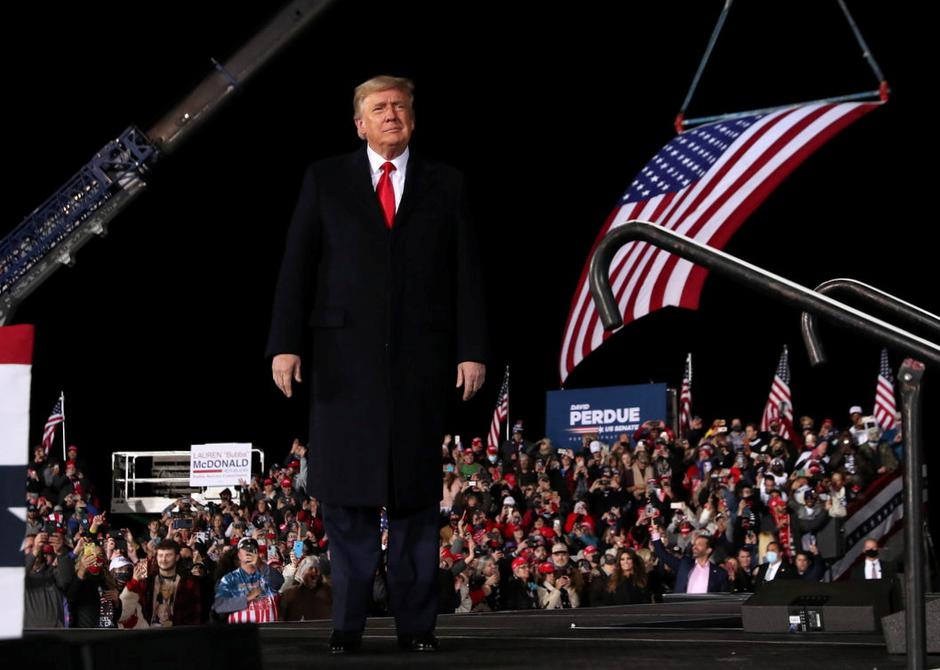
(491,457)
(771,556)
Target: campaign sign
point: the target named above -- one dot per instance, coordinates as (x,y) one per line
(606,412)
(219,464)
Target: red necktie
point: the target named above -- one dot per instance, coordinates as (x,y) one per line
(386,193)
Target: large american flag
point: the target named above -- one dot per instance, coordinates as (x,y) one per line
(703,184)
(685,398)
(500,413)
(55,418)
(886,408)
(779,402)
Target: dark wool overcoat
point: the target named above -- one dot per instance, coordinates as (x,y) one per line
(391,313)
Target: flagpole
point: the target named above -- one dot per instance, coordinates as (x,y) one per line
(64,453)
(507,402)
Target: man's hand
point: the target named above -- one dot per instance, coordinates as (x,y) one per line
(470,375)
(286,368)
(254,593)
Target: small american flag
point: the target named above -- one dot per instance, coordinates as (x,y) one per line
(886,408)
(685,398)
(262,609)
(48,433)
(779,402)
(703,184)
(500,413)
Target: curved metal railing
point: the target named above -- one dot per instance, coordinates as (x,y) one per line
(817,304)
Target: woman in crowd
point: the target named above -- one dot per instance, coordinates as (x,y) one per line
(94,599)
(628,584)
(310,597)
(556,590)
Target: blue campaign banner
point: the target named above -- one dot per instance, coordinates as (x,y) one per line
(605,411)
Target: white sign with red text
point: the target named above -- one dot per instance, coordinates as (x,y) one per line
(224,464)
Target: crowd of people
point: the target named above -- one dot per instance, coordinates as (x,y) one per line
(729,508)
(258,554)
(525,525)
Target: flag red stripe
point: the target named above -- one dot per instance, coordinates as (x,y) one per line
(16,345)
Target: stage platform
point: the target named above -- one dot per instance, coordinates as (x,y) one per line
(684,632)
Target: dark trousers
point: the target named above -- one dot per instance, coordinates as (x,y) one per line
(413,558)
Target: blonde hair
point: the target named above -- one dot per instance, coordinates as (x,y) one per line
(307,564)
(381,83)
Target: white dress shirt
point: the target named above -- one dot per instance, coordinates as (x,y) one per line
(398,174)
(872,569)
(772,571)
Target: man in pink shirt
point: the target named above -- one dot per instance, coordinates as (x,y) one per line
(695,573)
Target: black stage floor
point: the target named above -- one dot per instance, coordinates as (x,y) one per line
(685,632)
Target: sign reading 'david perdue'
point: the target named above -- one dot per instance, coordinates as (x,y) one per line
(605,412)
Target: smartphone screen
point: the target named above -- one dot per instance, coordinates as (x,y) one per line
(299,548)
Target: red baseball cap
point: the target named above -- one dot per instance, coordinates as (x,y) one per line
(547,568)
(518,563)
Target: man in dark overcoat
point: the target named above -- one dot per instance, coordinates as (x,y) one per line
(382,263)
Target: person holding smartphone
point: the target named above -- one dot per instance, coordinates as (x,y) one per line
(93,597)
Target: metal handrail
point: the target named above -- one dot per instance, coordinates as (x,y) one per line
(915,611)
(756,278)
(910,375)
(885,302)
(793,294)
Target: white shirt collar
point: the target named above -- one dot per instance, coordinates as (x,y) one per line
(376,161)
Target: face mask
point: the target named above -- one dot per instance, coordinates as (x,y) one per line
(871,553)
(771,556)
(492,458)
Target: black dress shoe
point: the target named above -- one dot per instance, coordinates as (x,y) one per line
(423,642)
(342,643)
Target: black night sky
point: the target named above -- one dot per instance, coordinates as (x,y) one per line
(157,334)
